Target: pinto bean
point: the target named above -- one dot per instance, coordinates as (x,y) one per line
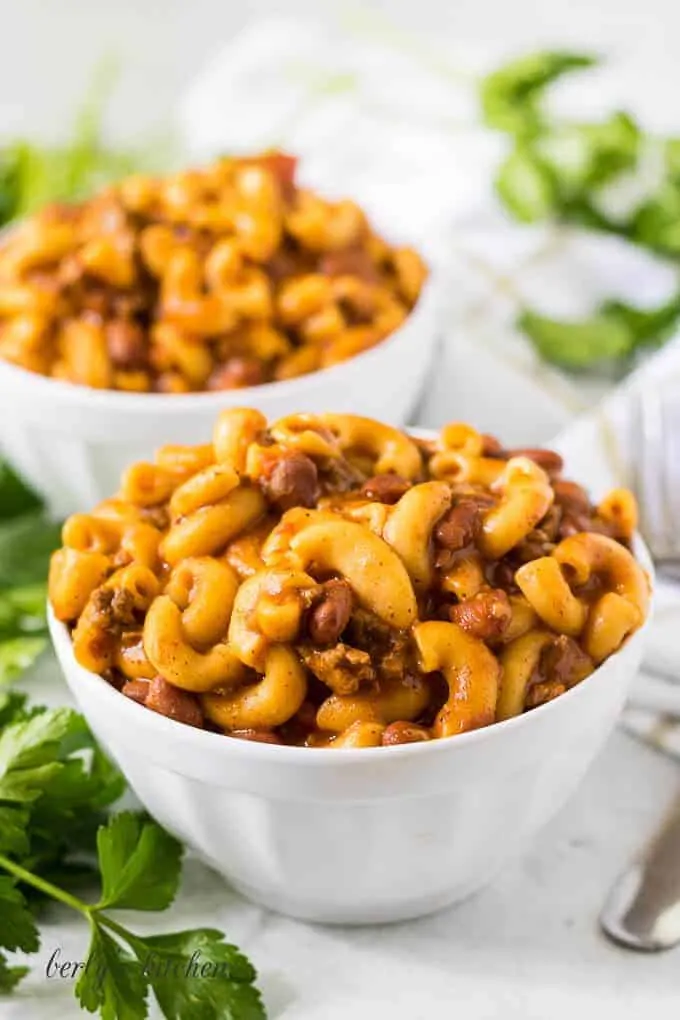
(167,700)
(549,460)
(485,616)
(236,374)
(126,343)
(492,447)
(459,527)
(292,481)
(136,690)
(404,733)
(329,616)
(570,495)
(564,662)
(386,488)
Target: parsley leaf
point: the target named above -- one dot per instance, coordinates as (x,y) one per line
(29,752)
(17,498)
(18,926)
(526,185)
(25,546)
(12,707)
(13,825)
(140,863)
(195,974)
(510,96)
(10,976)
(112,982)
(557,170)
(577,345)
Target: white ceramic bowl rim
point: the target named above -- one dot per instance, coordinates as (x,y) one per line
(155,404)
(167,729)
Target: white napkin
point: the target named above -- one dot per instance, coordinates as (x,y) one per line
(395,124)
(600,449)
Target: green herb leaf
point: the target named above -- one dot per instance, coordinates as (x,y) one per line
(10,976)
(17,925)
(12,707)
(17,654)
(112,982)
(140,863)
(578,345)
(16,498)
(13,826)
(25,547)
(195,975)
(510,96)
(30,752)
(526,186)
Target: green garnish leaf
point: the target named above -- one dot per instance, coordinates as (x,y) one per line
(12,707)
(112,982)
(18,928)
(13,826)
(10,976)
(196,974)
(526,186)
(577,345)
(15,496)
(140,863)
(511,96)
(17,654)
(25,547)
(31,751)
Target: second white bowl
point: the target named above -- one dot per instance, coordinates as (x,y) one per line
(72,443)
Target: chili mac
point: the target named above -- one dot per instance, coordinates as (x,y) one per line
(330,581)
(212,279)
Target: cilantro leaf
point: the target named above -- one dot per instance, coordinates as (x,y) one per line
(140,863)
(510,97)
(17,925)
(112,982)
(195,975)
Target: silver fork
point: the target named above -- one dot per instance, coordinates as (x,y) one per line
(642,910)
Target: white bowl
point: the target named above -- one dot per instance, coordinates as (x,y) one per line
(358,836)
(72,443)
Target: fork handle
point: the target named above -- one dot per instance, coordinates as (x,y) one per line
(642,910)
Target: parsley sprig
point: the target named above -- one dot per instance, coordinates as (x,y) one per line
(562,171)
(55,785)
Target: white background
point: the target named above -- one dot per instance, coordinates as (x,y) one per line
(49,47)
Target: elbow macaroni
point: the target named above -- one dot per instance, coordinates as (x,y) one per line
(329,581)
(214,279)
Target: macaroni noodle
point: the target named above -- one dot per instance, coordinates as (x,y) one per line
(329,581)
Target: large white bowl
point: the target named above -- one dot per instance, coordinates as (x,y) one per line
(72,442)
(358,836)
